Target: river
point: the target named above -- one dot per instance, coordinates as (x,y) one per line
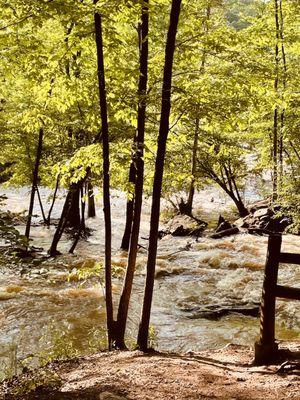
(56,308)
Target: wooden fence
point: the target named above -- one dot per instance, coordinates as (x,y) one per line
(266,349)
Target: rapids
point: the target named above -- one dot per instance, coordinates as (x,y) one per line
(56,308)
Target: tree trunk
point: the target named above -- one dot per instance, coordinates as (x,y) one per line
(35,178)
(106,180)
(158,176)
(41,204)
(65,217)
(139,167)
(73,218)
(62,221)
(275,117)
(91,200)
(129,211)
(187,208)
(284,83)
(189,203)
(48,219)
(82,223)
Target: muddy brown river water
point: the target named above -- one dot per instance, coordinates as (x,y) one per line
(56,308)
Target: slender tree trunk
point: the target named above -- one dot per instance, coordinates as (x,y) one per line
(82,224)
(106,180)
(284,79)
(41,204)
(129,210)
(158,176)
(188,206)
(139,166)
(91,200)
(53,200)
(189,203)
(35,178)
(276,111)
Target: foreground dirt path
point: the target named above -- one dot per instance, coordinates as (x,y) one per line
(217,374)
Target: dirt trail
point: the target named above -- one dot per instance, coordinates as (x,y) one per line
(216,374)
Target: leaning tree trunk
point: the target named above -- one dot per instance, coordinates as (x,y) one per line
(48,219)
(35,178)
(139,166)
(158,175)
(106,180)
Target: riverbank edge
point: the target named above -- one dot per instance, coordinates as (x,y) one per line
(226,373)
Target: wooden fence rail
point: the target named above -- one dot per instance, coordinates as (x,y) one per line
(266,349)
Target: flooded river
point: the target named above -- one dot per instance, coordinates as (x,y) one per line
(56,308)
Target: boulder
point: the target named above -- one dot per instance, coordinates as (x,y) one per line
(183,225)
(262,212)
(258,205)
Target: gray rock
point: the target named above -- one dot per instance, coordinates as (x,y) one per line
(261,213)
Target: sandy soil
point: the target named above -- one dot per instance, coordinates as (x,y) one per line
(215,374)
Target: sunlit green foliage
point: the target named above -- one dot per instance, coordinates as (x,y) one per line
(223,78)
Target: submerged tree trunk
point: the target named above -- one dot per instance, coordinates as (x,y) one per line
(129,210)
(139,168)
(106,180)
(158,176)
(35,178)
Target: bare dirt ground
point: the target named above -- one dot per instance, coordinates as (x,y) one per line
(132,375)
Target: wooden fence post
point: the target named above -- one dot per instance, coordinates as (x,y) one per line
(266,349)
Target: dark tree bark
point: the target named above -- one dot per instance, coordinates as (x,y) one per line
(284,84)
(74,188)
(276,111)
(91,200)
(189,203)
(106,180)
(81,228)
(139,172)
(35,178)
(41,204)
(158,176)
(129,210)
(73,218)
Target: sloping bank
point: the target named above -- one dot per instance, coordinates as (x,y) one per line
(215,374)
